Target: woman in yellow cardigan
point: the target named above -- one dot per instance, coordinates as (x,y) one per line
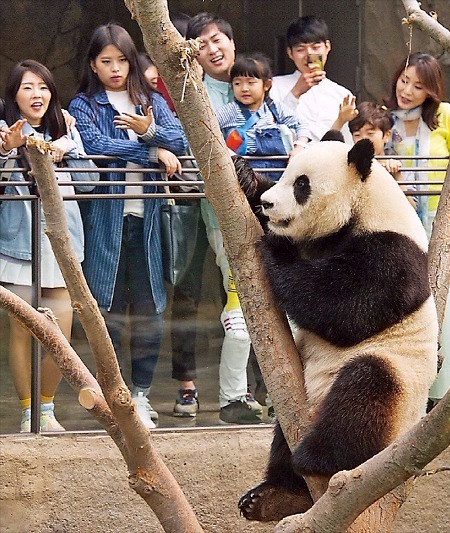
(421,124)
(422,127)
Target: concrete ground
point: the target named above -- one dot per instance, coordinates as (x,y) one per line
(72,483)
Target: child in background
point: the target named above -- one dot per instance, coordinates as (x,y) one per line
(149,69)
(255,125)
(374,122)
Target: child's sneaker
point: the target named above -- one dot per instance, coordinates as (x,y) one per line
(186,403)
(233,323)
(144,410)
(48,420)
(25,423)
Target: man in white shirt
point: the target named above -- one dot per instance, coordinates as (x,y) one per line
(307,91)
(216,57)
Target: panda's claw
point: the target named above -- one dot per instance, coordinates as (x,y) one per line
(267,503)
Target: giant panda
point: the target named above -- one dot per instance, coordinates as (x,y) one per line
(346,257)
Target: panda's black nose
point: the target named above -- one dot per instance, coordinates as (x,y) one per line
(266,205)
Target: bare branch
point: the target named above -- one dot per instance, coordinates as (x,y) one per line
(427,23)
(270,333)
(149,476)
(47,332)
(439,251)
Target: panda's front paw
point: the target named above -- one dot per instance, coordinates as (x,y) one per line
(246,176)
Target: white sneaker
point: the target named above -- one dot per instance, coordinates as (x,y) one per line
(234,324)
(48,420)
(25,423)
(253,403)
(143,409)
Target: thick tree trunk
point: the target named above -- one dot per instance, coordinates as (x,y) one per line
(439,250)
(270,335)
(276,351)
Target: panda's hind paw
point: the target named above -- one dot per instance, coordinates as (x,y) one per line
(267,503)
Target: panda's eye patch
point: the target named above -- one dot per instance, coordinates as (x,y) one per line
(302,189)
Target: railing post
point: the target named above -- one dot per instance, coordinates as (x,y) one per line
(36,302)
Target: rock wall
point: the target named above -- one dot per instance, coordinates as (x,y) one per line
(57,32)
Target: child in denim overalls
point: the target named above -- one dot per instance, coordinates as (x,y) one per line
(253,124)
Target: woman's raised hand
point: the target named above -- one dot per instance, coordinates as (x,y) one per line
(137,123)
(12,136)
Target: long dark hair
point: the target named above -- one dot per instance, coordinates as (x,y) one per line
(429,72)
(53,120)
(112,33)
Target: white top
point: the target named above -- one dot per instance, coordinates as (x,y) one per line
(318,107)
(122,102)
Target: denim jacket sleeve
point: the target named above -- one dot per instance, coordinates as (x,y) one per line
(77,159)
(100,137)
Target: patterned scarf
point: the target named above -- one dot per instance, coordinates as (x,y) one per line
(421,147)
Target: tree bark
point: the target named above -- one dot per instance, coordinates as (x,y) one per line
(274,346)
(427,23)
(439,251)
(148,475)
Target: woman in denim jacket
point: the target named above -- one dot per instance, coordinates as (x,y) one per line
(32,109)
(119,115)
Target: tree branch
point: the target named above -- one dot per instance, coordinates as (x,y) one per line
(427,23)
(149,476)
(73,369)
(439,251)
(271,336)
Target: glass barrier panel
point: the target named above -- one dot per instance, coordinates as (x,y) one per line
(192,333)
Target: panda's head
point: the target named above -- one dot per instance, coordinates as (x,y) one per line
(328,185)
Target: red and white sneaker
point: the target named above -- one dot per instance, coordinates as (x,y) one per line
(233,323)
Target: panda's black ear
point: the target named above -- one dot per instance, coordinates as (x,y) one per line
(361,156)
(333,135)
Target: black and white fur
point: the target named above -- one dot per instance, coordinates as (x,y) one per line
(346,256)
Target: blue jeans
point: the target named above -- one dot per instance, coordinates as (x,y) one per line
(132,293)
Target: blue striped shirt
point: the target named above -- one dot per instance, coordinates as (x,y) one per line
(103,219)
(231,116)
